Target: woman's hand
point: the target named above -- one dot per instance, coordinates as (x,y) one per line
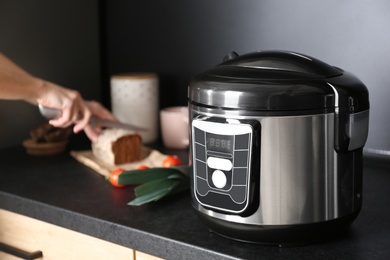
(69,102)
(74,110)
(98,110)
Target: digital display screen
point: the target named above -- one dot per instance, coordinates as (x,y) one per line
(219,143)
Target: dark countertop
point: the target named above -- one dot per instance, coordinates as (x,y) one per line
(61,191)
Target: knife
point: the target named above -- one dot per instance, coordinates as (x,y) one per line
(94,121)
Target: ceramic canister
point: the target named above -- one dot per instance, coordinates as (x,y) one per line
(135,100)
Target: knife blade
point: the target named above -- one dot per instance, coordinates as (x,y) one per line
(94,121)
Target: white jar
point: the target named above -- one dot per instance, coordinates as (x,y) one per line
(135,100)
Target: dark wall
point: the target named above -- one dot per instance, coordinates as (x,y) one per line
(59,41)
(55,40)
(179,38)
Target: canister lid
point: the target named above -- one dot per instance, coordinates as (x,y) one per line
(277,81)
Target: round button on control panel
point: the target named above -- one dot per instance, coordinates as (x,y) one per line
(219,179)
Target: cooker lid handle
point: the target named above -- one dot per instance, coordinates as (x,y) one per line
(282,61)
(230,56)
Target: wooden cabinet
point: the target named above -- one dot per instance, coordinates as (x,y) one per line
(142,256)
(55,242)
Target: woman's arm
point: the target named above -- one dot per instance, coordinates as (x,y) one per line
(17,84)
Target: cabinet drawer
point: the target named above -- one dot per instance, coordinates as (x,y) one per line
(143,256)
(55,242)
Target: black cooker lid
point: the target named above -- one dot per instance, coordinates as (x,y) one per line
(277,81)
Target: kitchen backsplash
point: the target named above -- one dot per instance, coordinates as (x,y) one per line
(178,39)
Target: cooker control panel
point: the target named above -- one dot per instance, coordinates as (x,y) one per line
(222,151)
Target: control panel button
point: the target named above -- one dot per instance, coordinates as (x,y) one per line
(219,179)
(219,163)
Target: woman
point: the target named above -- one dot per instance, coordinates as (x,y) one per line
(17,84)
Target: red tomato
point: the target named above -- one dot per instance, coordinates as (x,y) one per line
(171,161)
(114,178)
(142,167)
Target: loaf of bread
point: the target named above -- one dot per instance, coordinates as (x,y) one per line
(118,146)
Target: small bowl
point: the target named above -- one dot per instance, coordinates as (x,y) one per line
(34,148)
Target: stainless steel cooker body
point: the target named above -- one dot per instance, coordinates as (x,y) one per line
(276,147)
(295,176)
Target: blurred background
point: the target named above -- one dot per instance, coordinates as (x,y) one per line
(79,44)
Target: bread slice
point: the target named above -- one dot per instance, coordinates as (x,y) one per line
(118,146)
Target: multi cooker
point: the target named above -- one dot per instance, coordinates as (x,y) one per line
(276,147)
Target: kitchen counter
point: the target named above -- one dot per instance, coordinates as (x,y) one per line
(61,191)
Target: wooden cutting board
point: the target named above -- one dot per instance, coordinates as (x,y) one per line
(151,158)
